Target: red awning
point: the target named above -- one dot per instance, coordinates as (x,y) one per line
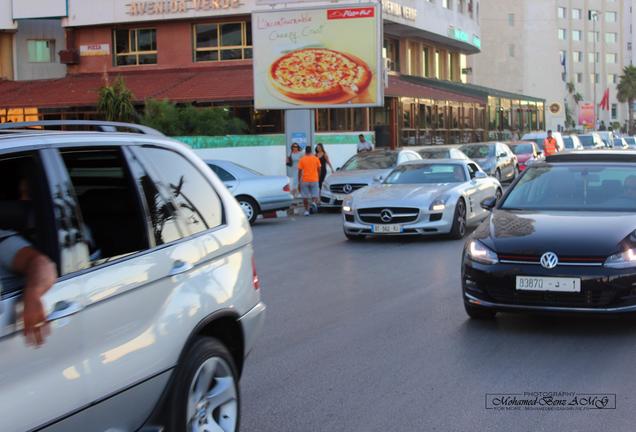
(398,87)
(180,85)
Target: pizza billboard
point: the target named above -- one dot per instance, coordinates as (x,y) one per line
(320,57)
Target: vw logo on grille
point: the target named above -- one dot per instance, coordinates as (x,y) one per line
(347,188)
(549,260)
(386,216)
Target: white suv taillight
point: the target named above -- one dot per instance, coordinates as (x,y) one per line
(256,282)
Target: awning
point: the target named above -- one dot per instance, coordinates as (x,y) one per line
(212,84)
(401,87)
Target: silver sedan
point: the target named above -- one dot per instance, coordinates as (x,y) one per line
(255,192)
(441,196)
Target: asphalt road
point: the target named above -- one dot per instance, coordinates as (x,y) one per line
(372,336)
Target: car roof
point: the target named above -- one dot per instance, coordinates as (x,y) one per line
(437,161)
(594,156)
(514,143)
(438,147)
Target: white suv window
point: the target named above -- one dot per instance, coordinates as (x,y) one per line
(197,202)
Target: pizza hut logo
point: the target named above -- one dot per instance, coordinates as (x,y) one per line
(348,13)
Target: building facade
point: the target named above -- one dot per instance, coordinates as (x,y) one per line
(200,51)
(539,46)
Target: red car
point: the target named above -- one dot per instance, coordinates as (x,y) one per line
(526,151)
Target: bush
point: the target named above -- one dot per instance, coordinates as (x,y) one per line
(188,120)
(115,102)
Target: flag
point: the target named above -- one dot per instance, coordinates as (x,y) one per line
(604,105)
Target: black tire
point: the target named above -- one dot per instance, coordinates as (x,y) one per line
(458,229)
(200,351)
(354,237)
(498,175)
(478,313)
(246,203)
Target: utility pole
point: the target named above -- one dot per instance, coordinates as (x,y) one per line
(593,16)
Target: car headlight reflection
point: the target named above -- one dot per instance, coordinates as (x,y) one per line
(477,251)
(625,259)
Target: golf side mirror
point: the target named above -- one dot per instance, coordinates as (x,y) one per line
(489,203)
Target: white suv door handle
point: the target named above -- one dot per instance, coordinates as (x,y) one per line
(180,267)
(63,309)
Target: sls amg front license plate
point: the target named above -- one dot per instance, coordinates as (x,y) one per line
(532,283)
(387,229)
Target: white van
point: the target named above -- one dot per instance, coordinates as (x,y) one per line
(539,137)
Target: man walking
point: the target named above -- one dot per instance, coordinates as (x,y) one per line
(308,178)
(549,145)
(364,145)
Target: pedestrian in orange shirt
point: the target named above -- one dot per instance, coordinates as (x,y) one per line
(549,145)
(308,178)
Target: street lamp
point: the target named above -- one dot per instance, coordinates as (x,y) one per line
(593,16)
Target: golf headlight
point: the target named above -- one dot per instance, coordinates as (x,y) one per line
(477,251)
(438,204)
(347,205)
(625,259)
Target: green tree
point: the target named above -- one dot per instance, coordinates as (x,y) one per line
(115,102)
(188,120)
(626,92)
(577,97)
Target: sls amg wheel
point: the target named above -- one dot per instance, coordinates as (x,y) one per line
(458,229)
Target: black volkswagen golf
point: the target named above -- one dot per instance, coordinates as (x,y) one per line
(562,239)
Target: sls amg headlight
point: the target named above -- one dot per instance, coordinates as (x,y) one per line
(477,251)
(438,204)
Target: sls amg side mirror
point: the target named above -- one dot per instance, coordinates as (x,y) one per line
(378,178)
(480,175)
(489,203)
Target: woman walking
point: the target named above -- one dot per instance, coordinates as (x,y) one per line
(324,161)
(292,167)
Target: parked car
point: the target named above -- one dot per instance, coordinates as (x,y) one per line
(539,138)
(256,193)
(361,170)
(426,197)
(494,158)
(591,140)
(560,240)
(571,143)
(607,137)
(631,142)
(441,152)
(620,143)
(527,152)
(158,301)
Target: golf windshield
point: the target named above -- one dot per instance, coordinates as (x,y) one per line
(366,161)
(575,187)
(427,174)
(477,151)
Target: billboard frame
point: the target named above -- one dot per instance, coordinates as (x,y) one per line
(379,69)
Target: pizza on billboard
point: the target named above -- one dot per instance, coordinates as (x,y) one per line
(319,74)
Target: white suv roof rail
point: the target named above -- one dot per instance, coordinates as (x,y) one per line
(95,125)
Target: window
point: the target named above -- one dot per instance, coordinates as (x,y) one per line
(611,37)
(197,204)
(579,78)
(222,41)
(612,78)
(562,34)
(611,58)
(511,50)
(562,12)
(448,4)
(391,52)
(41,51)
(594,78)
(576,14)
(114,222)
(562,55)
(135,46)
(576,35)
(437,64)
(577,56)
(614,111)
(223,174)
(425,62)
(610,17)
(511,19)
(472,170)
(460,6)
(592,57)
(592,36)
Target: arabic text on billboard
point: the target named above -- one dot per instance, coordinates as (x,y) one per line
(319,57)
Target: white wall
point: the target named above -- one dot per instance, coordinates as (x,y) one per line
(39,29)
(270,160)
(6,20)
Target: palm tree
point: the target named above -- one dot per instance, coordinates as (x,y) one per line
(116,102)
(626,92)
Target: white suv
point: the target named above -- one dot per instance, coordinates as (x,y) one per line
(158,302)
